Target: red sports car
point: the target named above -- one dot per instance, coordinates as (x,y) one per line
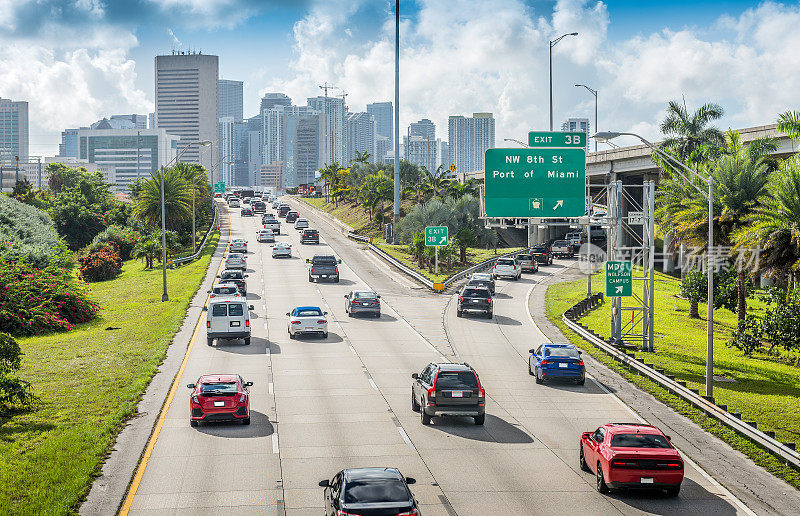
(219,397)
(631,455)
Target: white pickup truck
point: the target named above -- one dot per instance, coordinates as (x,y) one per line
(562,248)
(270,222)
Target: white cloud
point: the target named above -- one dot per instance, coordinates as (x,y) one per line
(208,13)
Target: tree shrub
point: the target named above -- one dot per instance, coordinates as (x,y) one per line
(13,390)
(35,301)
(102,265)
(124,238)
(26,233)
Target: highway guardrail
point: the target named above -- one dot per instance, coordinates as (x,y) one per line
(199,251)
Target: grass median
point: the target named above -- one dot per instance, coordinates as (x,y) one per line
(89,382)
(763,389)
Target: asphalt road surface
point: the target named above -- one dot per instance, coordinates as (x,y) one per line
(320,405)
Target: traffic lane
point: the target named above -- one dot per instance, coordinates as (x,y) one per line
(216,467)
(557,413)
(330,417)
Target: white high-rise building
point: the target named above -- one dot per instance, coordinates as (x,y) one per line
(468,138)
(13,131)
(305,146)
(382,147)
(360,136)
(226,150)
(577,125)
(231,99)
(187,104)
(333,108)
(384,120)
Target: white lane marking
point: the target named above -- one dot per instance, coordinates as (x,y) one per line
(271,388)
(373,384)
(265,325)
(353,350)
(405,437)
(275,448)
(415,332)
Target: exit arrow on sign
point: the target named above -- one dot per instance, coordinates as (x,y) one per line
(443,240)
(559,204)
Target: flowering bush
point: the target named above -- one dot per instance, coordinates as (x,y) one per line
(34,301)
(125,239)
(102,265)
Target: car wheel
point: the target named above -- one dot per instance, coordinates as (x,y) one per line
(582,381)
(377,315)
(489,314)
(310,279)
(414,403)
(538,380)
(325,335)
(673,491)
(194,423)
(336,280)
(530,371)
(425,418)
(479,420)
(210,341)
(349,314)
(601,482)
(246,421)
(292,335)
(582,460)
(459,313)
(247,341)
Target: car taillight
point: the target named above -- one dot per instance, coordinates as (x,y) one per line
(579,362)
(242,398)
(432,392)
(194,399)
(671,465)
(340,512)
(461,298)
(295,322)
(337,270)
(546,362)
(489,300)
(413,512)
(624,464)
(247,323)
(312,270)
(208,324)
(321,321)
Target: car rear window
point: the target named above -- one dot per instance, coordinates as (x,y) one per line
(236,310)
(375,490)
(561,352)
(560,242)
(233,275)
(226,290)
(219,310)
(476,292)
(308,312)
(219,389)
(456,380)
(310,232)
(505,261)
(324,260)
(524,257)
(639,441)
(365,295)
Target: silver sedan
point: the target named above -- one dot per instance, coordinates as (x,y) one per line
(282,250)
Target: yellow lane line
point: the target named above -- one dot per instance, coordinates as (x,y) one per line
(137,479)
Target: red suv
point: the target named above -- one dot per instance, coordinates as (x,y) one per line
(219,397)
(631,455)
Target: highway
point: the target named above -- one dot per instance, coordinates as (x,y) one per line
(320,405)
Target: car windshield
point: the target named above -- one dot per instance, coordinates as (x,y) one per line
(505,262)
(219,389)
(365,295)
(561,352)
(308,312)
(375,491)
(639,441)
(476,292)
(456,380)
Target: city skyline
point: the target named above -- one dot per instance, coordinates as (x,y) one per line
(106,67)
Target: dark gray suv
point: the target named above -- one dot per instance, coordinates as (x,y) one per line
(448,390)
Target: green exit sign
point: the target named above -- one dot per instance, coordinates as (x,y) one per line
(557,139)
(436,236)
(619,279)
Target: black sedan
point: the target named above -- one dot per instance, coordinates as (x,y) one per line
(369,491)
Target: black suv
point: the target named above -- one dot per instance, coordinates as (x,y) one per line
(369,491)
(258,206)
(292,216)
(309,236)
(236,277)
(543,254)
(475,299)
(448,390)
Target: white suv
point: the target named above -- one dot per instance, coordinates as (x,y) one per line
(508,268)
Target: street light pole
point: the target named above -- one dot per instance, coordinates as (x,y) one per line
(709,196)
(396,214)
(590,207)
(516,141)
(593,92)
(552,44)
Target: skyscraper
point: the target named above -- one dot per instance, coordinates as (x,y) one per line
(468,139)
(424,128)
(333,108)
(384,119)
(13,130)
(231,99)
(305,146)
(270,100)
(359,135)
(577,125)
(187,103)
(138,121)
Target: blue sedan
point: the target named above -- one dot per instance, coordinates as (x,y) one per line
(556,361)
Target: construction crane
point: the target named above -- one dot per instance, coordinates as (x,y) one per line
(344,95)
(325,87)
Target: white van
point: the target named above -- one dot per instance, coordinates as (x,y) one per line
(228,319)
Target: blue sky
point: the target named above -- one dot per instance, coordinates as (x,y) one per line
(78,60)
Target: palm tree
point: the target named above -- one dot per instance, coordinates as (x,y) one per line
(435,184)
(687,134)
(177,199)
(789,123)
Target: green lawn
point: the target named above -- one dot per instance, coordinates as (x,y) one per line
(353,216)
(765,390)
(89,382)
